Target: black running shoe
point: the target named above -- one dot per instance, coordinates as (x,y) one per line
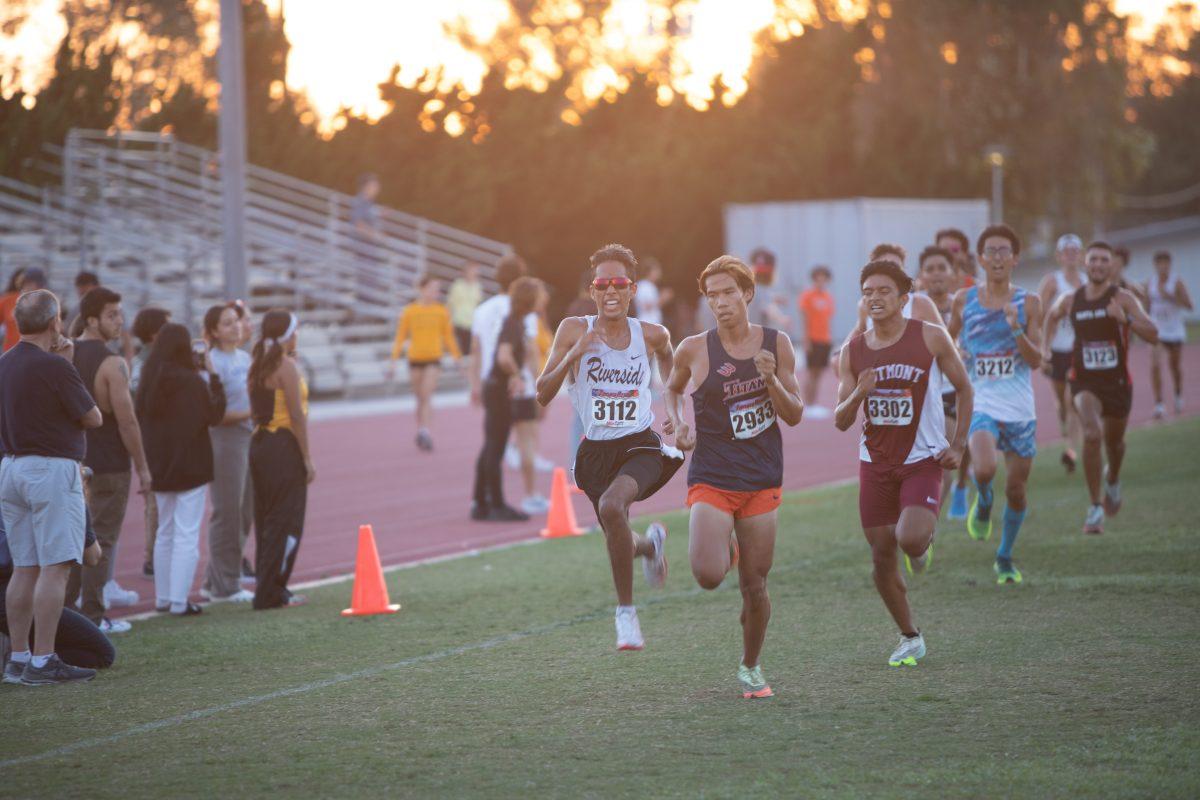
(480,513)
(506,514)
(247,568)
(425,442)
(54,672)
(148,569)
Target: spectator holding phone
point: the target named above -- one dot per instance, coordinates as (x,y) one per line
(178,399)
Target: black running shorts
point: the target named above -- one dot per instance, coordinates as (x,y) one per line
(1060,365)
(642,456)
(1116,397)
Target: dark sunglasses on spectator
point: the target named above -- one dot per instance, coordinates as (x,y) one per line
(616,283)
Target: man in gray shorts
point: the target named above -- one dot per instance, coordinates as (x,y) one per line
(44,409)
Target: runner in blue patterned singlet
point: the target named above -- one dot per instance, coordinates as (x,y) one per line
(744,382)
(1000,325)
(605,361)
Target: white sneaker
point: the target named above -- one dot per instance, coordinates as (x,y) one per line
(114,625)
(1159,411)
(240,596)
(908,652)
(629,632)
(535,504)
(817,412)
(655,567)
(512,457)
(543,464)
(114,595)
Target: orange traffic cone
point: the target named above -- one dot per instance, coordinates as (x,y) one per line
(561,519)
(370,592)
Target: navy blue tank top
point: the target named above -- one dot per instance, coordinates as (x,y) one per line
(738,444)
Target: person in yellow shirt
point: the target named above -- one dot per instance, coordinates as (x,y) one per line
(425,330)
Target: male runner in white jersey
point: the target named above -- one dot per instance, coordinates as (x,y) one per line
(1000,327)
(1102,315)
(744,379)
(1056,356)
(1168,300)
(894,372)
(606,361)
(940,279)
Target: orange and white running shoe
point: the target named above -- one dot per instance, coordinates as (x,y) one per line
(629,632)
(754,685)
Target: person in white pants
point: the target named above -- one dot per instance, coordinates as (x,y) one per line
(179,397)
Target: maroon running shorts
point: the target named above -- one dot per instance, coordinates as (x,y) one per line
(884,490)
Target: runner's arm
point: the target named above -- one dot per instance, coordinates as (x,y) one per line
(1181,295)
(943,349)
(782,385)
(676,384)
(563,354)
(1139,322)
(1029,338)
(956,314)
(658,342)
(1060,309)
(851,392)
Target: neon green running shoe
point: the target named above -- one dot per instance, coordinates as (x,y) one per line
(1006,571)
(753,682)
(915,566)
(979,525)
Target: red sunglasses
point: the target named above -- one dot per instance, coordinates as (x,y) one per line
(616,283)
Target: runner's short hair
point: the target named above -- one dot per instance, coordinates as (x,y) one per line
(615,252)
(887,248)
(821,269)
(932,252)
(731,266)
(92,304)
(953,233)
(1163,255)
(508,269)
(1001,230)
(1099,245)
(904,284)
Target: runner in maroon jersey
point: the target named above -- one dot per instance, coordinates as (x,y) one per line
(895,372)
(1102,314)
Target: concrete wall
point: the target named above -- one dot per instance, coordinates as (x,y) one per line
(841,234)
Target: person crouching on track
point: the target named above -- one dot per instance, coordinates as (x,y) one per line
(281,466)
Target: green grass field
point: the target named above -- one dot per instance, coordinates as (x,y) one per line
(499,677)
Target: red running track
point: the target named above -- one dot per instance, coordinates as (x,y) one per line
(369,471)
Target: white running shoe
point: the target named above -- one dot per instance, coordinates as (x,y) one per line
(512,457)
(629,632)
(655,567)
(535,504)
(1094,522)
(114,595)
(1112,497)
(909,651)
(817,412)
(114,625)
(1160,411)
(240,596)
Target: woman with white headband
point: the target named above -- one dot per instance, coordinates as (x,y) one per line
(280,464)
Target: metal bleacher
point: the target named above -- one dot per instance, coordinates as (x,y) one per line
(143,211)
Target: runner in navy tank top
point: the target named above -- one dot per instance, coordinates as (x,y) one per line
(1101,315)
(744,383)
(894,373)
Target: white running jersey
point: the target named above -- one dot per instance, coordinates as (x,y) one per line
(905,312)
(1063,340)
(1166,313)
(611,390)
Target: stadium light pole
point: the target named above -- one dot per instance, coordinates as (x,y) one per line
(232,147)
(995,155)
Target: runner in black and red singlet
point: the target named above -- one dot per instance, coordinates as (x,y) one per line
(744,379)
(1102,315)
(894,372)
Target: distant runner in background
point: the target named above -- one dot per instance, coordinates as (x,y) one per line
(1169,299)
(816,311)
(425,331)
(465,295)
(1057,358)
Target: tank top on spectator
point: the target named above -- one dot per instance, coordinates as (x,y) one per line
(1063,339)
(739,447)
(1166,313)
(903,420)
(106,452)
(1101,342)
(270,408)
(611,390)
(1001,377)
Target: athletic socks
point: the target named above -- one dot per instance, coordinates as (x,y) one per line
(1012,526)
(626,609)
(985,493)
(39,661)
(20,656)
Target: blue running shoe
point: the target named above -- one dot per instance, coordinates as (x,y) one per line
(979,521)
(958,503)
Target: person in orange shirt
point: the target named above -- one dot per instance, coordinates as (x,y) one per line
(816,309)
(426,330)
(8,305)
